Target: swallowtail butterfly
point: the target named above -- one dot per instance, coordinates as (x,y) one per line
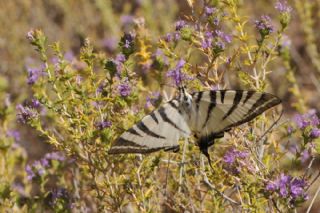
(206,115)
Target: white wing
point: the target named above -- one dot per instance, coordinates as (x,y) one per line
(159,130)
(215,112)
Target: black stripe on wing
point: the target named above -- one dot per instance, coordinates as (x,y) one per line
(165,118)
(212,105)
(250,93)
(146,130)
(134,132)
(153,116)
(236,101)
(265,102)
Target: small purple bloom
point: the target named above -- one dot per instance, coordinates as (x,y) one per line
(128,39)
(216,21)
(30,173)
(110,43)
(229,158)
(31,35)
(283,7)
(220,45)
(297,188)
(227,38)
(69,56)
(300,121)
(168,37)
(44,162)
(290,129)
(305,155)
(209,11)
(152,99)
(14,134)
(33,75)
(35,103)
(127,20)
(271,186)
(264,25)
(120,58)
(180,24)
(101,87)
(58,156)
(232,154)
(124,88)
(207,40)
(315,133)
(24,114)
(103,124)
(176,74)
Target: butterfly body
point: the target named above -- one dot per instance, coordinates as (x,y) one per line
(205,114)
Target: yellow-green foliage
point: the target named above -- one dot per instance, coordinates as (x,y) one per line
(99,67)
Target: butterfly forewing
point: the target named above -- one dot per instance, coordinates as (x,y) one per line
(159,130)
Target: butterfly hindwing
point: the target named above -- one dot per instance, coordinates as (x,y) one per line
(159,130)
(215,112)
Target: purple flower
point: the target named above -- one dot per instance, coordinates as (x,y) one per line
(69,56)
(209,11)
(283,7)
(33,75)
(44,162)
(297,188)
(126,20)
(152,99)
(57,194)
(288,187)
(300,121)
(14,134)
(227,38)
(232,154)
(78,79)
(127,40)
(264,25)
(216,21)
(180,24)
(305,155)
(229,158)
(220,45)
(124,88)
(207,40)
(101,87)
(308,119)
(31,35)
(35,103)
(176,73)
(103,124)
(58,156)
(120,58)
(30,173)
(315,133)
(24,114)
(175,36)
(110,43)
(271,186)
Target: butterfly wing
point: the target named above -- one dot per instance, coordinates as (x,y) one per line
(159,130)
(215,112)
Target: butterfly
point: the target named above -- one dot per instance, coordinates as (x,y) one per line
(205,114)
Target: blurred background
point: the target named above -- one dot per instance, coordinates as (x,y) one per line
(105,21)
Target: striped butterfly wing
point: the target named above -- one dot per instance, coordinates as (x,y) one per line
(215,112)
(159,130)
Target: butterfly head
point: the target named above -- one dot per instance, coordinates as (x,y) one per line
(185,98)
